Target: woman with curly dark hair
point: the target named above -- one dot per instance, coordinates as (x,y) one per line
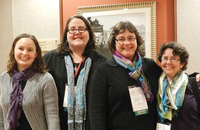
(177,106)
(28,95)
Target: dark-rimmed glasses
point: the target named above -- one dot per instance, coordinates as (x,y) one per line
(80,30)
(122,40)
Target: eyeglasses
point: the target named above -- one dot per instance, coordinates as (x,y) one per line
(121,40)
(173,59)
(80,30)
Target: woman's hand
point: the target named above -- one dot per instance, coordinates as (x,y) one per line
(197,77)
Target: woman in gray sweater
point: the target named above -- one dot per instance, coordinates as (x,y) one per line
(28,95)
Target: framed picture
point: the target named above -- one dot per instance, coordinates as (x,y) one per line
(103,17)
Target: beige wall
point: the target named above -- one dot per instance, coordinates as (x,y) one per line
(188,31)
(37,17)
(5,32)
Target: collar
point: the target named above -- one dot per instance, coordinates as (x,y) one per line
(90,54)
(112,62)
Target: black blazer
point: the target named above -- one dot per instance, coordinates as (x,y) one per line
(57,68)
(109,103)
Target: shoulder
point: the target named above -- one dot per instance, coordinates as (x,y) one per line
(52,57)
(108,64)
(4,75)
(192,81)
(95,56)
(149,66)
(44,79)
(45,75)
(51,54)
(147,62)
(111,62)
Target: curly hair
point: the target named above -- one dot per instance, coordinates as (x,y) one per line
(63,47)
(121,28)
(38,63)
(178,50)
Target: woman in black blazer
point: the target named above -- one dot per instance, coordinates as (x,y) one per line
(72,65)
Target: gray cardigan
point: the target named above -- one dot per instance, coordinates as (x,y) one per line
(40,101)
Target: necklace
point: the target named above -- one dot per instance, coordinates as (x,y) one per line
(75,66)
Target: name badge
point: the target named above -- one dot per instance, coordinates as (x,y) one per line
(138,100)
(65,96)
(65,102)
(161,126)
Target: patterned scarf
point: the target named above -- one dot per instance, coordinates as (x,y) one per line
(135,72)
(16,96)
(76,105)
(170,96)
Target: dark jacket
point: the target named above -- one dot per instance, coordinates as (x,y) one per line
(57,68)
(109,103)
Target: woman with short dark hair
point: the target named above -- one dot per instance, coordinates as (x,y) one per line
(116,80)
(176,101)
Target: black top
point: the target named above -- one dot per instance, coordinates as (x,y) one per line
(23,122)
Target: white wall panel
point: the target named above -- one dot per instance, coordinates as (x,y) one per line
(5,32)
(38,17)
(188,31)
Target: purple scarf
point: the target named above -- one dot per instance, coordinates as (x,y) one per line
(16,96)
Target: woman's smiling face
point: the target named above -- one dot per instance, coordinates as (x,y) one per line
(170,64)
(129,46)
(77,40)
(25,53)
